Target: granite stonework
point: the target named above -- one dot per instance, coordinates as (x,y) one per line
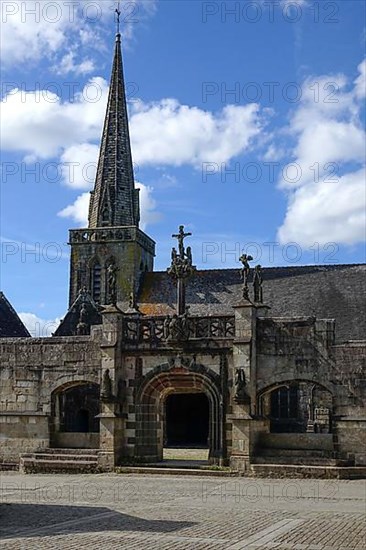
(32,371)
(268,363)
(143,371)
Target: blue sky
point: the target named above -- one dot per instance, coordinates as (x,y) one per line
(247,125)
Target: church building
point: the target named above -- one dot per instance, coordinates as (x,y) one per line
(264,367)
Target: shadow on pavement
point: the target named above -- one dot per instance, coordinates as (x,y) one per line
(31,520)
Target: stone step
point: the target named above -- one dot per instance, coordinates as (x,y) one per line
(68,457)
(307,471)
(146,470)
(8,466)
(294,453)
(32,465)
(68,451)
(301,461)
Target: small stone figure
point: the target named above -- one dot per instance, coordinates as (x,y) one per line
(132,302)
(82,328)
(257,284)
(245,271)
(177,327)
(83,292)
(112,284)
(184,325)
(166,327)
(106,392)
(189,256)
(241,395)
(173,329)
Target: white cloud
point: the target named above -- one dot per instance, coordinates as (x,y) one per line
(39,123)
(327,212)
(78,211)
(168,133)
(164,133)
(67,65)
(274,153)
(149,215)
(360,82)
(327,199)
(37,327)
(78,165)
(31,30)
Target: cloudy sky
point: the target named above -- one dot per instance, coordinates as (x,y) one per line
(247,125)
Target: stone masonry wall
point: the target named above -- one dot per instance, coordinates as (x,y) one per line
(30,370)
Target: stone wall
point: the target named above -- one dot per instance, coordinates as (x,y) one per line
(30,370)
(270,351)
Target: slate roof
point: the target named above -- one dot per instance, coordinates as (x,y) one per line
(10,324)
(69,324)
(326,291)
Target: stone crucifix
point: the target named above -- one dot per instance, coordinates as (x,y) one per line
(181,268)
(181,236)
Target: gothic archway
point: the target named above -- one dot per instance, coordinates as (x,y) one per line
(151,400)
(297,406)
(74,415)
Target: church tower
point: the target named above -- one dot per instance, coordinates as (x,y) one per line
(112,250)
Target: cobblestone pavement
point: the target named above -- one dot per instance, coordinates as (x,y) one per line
(110,511)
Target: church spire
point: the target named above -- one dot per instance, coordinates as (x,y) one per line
(115,201)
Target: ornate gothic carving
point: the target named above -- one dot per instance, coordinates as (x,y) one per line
(106,390)
(257,284)
(241,395)
(160,330)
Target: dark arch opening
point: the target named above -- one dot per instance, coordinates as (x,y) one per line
(79,407)
(187,420)
(82,421)
(297,406)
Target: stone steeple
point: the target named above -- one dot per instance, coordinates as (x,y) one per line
(115,201)
(109,257)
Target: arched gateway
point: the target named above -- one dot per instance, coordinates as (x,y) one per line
(74,419)
(155,419)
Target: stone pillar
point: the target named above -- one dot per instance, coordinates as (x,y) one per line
(245,425)
(112,419)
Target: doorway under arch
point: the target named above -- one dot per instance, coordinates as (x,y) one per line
(186,420)
(162,400)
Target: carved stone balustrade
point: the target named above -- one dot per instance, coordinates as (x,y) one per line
(155,331)
(110,234)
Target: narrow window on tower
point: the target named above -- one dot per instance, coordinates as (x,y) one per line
(96,283)
(105,217)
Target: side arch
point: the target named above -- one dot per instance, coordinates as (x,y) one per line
(74,421)
(297,405)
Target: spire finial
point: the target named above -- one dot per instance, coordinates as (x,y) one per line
(118,18)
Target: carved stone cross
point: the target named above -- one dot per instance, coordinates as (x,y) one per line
(181,236)
(181,268)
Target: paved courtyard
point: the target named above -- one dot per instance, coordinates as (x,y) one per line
(110,511)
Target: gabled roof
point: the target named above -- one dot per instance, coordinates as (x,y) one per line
(327,292)
(69,325)
(10,324)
